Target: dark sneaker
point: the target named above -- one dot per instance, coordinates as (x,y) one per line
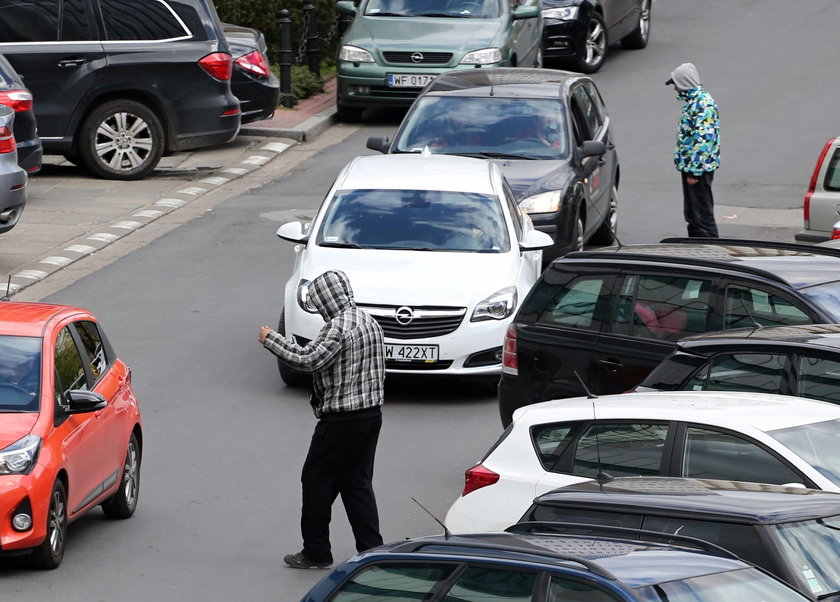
(299,561)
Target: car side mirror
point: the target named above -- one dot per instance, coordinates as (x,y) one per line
(293,232)
(534,239)
(81,402)
(346,6)
(379,143)
(593,148)
(525,12)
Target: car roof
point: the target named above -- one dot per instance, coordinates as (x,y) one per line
(799,266)
(502,82)
(806,335)
(761,411)
(29,319)
(423,171)
(610,557)
(721,501)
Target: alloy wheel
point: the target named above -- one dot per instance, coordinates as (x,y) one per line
(131,473)
(644,19)
(596,43)
(55,524)
(123,141)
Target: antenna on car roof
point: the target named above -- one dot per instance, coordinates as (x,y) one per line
(602,478)
(755,322)
(7,297)
(589,394)
(446,533)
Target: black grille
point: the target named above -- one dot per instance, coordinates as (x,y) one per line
(427,321)
(429,58)
(419,366)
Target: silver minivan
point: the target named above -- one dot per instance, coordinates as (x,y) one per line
(821,208)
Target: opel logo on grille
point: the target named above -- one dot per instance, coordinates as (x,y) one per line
(404,315)
(416,57)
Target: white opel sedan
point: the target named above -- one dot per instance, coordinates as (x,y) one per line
(437,251)
(752,437)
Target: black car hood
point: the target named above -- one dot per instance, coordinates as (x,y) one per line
(528,178)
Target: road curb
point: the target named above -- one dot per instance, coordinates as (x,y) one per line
(261,153)
(304,132)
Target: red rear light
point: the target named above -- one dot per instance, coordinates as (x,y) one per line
(7,140)
(19,100)
(478,477)
(835,233)
(510,363)
(255,63)
(806,207)
(218,64)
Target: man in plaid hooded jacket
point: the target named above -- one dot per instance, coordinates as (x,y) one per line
(347,362)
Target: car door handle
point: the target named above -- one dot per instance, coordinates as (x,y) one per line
(71,62)
(611,365)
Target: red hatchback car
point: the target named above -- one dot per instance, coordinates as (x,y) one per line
(70,428)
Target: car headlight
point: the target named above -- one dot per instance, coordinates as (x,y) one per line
(497,306)
(354,54)
(544,202)
(303,299)
(485,56)
(20,456)
(564,13)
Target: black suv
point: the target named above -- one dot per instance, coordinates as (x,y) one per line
(117,83)
(548,131)
(785,360)
(608,317)
(794,533)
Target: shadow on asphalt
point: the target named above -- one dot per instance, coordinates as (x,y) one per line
(402,388)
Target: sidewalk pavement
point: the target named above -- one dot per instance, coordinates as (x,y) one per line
(309,118)
(70,215)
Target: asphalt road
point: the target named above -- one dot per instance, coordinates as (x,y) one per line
(219,502)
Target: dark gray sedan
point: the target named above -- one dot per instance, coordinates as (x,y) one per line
(548,131)
(12,177)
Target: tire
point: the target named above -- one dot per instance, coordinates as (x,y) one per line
(49,554)
(292,378)
(129,138)
(638,38)
(74,159)
(347,114)
(595,50)
(605,234)
(576,241)
(123,503)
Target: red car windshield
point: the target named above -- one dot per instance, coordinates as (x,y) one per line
(20,373)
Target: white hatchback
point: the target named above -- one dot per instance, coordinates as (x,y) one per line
(436,250)
(751,437)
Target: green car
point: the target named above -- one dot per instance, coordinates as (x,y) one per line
(394,48)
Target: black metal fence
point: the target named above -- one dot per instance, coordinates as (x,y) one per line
(308,50)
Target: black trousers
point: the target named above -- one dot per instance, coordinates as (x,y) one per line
(699,205)
(340,462)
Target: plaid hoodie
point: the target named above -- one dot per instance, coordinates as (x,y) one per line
(347,358)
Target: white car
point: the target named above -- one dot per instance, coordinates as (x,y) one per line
(753,437)
(436,250)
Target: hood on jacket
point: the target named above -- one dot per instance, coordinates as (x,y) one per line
(331,294)
(685,77)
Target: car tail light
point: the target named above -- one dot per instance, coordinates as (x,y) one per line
(19,100)
(7,140)
(218,64)
(835,233)
(477,477)
(806,206)
(510,363)
(255,63)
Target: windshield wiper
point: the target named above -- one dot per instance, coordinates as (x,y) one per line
(15,411)
(456,16)
(387,15)
(412,249)
(340,245)
(503,156)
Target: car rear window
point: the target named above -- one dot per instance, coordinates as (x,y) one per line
(415,220)
(832,174)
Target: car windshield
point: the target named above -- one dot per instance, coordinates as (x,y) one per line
(812,548)
(415,220)
(826,296)
(816,444)
(516,128)
(744,584)
(20,374)
(470,9)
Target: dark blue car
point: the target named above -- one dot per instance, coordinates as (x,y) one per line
(534,567)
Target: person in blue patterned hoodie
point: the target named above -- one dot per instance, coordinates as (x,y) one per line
(697,153)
